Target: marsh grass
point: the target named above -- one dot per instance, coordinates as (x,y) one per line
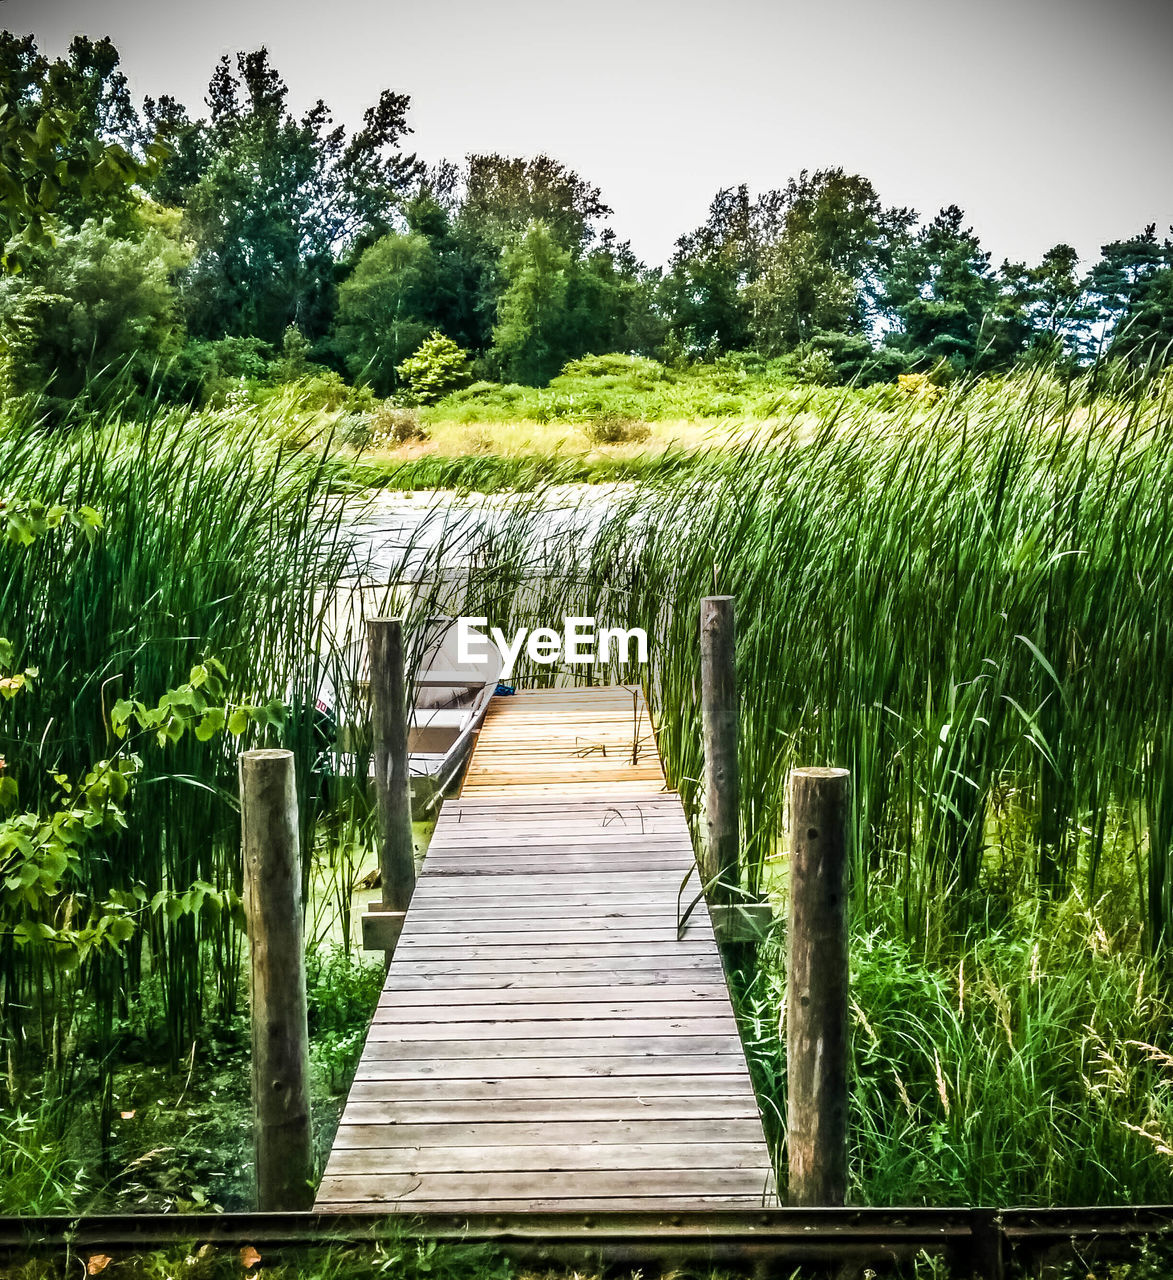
(221,538)
(967,604)
(965,601)
(1033,1067)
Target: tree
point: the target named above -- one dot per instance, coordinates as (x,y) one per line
(775,270)
(532,314)
(385,308)
(458,304)
(504,195)
(273,199)
(798,294)
(95,305)
(943,293)
(1132,288)
(437,367)
(1045,309)
(839,238)
(701,291)
(66,132)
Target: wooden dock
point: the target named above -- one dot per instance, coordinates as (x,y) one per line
(543,1040)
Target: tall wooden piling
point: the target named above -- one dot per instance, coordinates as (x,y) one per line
(392,780)
(816,987)
(719,721)
(282,1129)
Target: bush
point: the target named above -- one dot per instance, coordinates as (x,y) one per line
(437,367)
(918,386)
(294,361)
(616,428)
(636,370)
(396,425)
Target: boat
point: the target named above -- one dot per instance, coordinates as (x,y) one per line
(448,706)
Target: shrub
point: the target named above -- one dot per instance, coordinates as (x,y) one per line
(437,367)
(616,428)
(294,361)
(918,386)
(393,424)
(324,390)
(638,370)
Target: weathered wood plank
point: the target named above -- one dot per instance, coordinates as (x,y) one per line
(580,1204)
(586,968)
(514,1133)
(524,1033)
(600,935)
(497,1090)
(588,949)
(461,996)
(575,1112)
(563,1067)
(409,1188)
(552,1047)
(537,1012)
(474,1159)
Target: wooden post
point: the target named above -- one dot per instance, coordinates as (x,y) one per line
(392,781)
(719,718)
(282,1130)
(816,987)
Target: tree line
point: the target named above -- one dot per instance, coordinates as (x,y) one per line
(252,242)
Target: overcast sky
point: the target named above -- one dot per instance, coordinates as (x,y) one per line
(1046,120)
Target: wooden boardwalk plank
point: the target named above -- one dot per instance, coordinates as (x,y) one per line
(544,1039)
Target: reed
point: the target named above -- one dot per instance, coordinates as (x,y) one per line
(967,605)
(219,539)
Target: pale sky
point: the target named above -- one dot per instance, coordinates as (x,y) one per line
(1046,120)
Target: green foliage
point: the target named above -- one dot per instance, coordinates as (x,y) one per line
(26,520)
(381,308)
(342,991)
(437,367)
(495,473)
(532,308)
(216,538)
(55,157)
(1132,285)
(1030,1067)
(36,1178)
(271,199)
(91,306)
(505,195)
(974,637)
(645,390)
(941,288)
(43,854)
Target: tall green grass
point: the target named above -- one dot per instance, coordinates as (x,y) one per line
(218,539)
(1033,1066)
(968,605)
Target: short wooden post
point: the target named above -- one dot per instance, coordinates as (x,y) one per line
(392,780)
(282,1129)
(719,721)
(816,987)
